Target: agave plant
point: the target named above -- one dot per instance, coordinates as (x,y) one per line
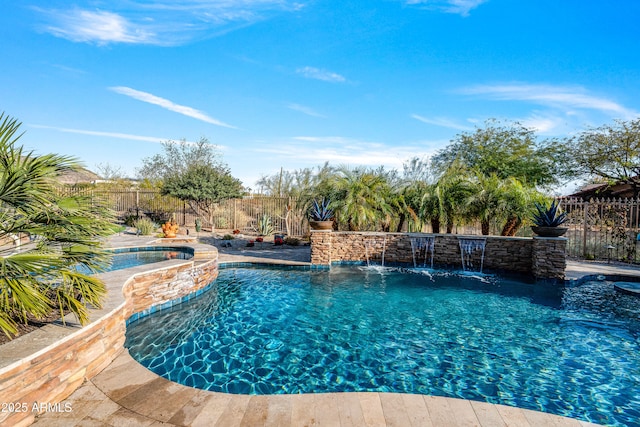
(320,211)
(549,217)
(265,227)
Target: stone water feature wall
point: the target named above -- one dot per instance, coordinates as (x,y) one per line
(38,382)
(539,257)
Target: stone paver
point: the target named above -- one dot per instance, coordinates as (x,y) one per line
(127,394)
(153,404)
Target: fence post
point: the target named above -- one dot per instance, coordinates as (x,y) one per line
(585,207)
(137,204)
(235,207)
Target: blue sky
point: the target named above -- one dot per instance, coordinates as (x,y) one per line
(279,83)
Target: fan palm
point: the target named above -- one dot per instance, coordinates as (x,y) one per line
(360,197)
(64,233)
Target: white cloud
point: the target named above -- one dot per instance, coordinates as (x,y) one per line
(460,7)
(98,27)
(306,110)
(168,105)
(312,150)
(319,74)
(100,133)
(162,22)
(562,97)
(443,122)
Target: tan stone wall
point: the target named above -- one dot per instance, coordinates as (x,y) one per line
(320,247)
(549,260)
(541,258)
(52,374)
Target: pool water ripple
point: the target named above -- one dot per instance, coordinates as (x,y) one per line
(568,351)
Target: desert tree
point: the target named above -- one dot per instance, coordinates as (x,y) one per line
(610,153)
(194,173)
(506,150)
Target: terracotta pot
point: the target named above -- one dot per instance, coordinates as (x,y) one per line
(321,225)
(549,231)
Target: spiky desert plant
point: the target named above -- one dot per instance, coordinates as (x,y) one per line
(265,227)
(549,217)
(64,232)
(144,226)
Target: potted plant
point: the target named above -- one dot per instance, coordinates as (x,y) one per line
(170,228)
(198,225)
(320,216)
(548,220)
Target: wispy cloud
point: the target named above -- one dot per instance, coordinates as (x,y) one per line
(319,74)
(443,122)
(305,110)
(100,133)
(341,150)
(563,97)
(162,22)
(98,27)
(545,124)
(168,105)
(460,7)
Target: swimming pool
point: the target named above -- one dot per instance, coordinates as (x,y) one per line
(133,257)
(568,351)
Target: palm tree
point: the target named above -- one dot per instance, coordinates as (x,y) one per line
(64,235)
(519,204)
(452,190)
(430,206)
(487,201)
(360,197)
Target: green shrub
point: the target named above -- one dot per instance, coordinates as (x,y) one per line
(228,237)
(130,219)
(145,226)
(221,222)
(291,241)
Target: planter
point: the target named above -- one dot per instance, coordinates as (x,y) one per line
(549,231)
(321,225)
(170,229)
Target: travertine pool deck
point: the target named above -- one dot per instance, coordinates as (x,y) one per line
(127,394)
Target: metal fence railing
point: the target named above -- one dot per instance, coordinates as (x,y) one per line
(285,213)
(599,229)
(603,229)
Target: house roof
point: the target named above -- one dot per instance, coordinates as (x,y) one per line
(80,176)
(604,190)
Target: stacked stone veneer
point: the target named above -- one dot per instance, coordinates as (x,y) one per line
(542,258)
(52,374)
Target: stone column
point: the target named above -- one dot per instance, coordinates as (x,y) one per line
(549,258)
(321,247)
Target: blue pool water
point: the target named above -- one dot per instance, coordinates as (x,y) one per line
(133,257)
(568,351)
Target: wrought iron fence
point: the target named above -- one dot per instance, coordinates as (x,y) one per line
(599,229)
(286,214)
(603,229)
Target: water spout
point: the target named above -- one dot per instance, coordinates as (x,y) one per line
(370,244)
(469,245)
(426,244)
